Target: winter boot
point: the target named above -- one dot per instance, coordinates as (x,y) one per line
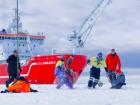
(90,83)
(7,84)
(69,84)
(5,91)
(32,90)
(95,83)
(61,83)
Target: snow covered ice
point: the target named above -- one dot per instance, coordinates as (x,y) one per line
(80,95)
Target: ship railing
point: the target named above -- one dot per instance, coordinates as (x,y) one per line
(3,62)
(64,51)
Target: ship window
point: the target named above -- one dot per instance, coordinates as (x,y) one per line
(26,51)
(2,37)
(14,38)
(17,38)
(20,38)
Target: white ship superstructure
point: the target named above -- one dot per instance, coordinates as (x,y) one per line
(28,45)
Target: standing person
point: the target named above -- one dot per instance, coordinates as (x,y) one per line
(60,73)
(97,62)
(14,68)
(113,63)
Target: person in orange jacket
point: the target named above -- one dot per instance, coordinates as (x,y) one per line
(21,85)
(113,65)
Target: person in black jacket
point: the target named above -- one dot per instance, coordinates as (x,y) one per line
(14,68)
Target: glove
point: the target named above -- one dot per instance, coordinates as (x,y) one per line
(106,70)
(69,73)
(88,61)
(20,70)
(100,84)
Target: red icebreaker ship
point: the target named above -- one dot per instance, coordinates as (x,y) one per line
(40,69)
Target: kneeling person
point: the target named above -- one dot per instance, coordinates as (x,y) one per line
(120,80)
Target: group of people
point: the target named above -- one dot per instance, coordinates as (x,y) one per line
(112,65)
(64,73)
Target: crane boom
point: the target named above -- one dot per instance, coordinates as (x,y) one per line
(80,36)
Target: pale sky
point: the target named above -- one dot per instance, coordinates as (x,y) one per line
(118,27)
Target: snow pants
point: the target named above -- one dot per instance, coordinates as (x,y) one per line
(63,80)
(112,77)
(94,75)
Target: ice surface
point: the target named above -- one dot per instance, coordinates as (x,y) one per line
(80,95)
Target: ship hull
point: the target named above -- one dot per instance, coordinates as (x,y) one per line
(40,69)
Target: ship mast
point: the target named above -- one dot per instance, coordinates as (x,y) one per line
(17,32)
(17,18)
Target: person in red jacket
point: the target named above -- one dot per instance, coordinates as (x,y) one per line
(113,65)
